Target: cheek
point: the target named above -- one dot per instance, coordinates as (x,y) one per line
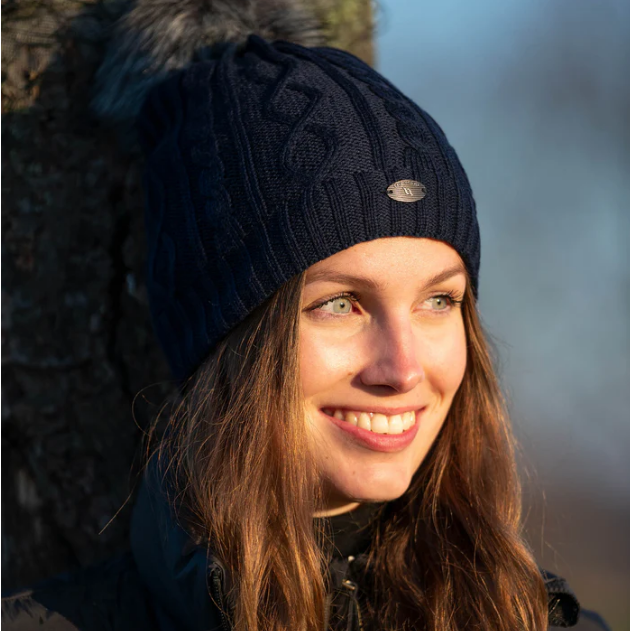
(324,360)
(447,361)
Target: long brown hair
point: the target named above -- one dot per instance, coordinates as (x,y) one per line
(447,555)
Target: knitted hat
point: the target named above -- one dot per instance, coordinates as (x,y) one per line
(270,158)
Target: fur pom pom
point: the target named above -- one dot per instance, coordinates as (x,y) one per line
(155,37)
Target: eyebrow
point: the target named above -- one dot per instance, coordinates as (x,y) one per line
(349,279)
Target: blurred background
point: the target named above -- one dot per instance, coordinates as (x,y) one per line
(534,96)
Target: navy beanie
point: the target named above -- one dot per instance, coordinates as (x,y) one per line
(274,156)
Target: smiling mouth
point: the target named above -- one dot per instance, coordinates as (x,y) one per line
(375,422)
(371,439)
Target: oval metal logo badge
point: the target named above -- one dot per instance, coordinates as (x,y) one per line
(406,191)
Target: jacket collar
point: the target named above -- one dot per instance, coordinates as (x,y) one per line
(177,571)
(180,574)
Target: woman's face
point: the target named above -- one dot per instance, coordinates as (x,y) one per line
(380,363)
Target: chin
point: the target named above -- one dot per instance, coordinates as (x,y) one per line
(372,489)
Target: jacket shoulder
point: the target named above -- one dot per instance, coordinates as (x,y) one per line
(99,598)
(564,609)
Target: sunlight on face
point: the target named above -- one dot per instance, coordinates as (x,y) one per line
(381,334)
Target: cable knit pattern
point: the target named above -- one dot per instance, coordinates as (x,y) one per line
(427,144)
(269,158)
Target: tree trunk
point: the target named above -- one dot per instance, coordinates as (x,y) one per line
(84,376)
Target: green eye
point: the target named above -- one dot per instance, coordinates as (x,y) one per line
(441,302)
(344,304)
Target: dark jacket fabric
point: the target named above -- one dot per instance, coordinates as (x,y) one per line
(167,582)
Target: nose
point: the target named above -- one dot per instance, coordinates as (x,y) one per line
(396,361)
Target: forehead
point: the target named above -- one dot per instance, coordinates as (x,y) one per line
(383,261)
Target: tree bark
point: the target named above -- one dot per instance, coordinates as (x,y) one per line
(84,376)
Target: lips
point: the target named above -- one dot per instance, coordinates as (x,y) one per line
(376,442)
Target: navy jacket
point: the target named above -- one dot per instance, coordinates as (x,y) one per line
(167,583)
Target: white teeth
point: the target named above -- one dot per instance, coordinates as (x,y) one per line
(364,421)
(395,425)
(408,420)
(379,424)
(375,422)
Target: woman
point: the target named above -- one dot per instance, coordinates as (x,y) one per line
(340,456)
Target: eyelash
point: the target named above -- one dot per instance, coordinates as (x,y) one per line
(454,298)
